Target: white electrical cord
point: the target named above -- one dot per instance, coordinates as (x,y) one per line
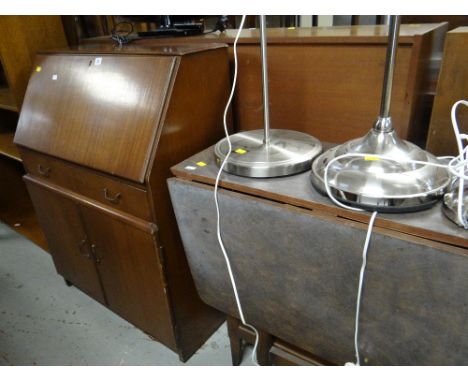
(361,281)
(364,259)
(218,217)
(463,159)
(456,167)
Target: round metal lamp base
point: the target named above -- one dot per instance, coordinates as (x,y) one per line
(379,204)
(289,152)
(380,184)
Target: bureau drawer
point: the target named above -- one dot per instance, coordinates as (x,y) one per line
(104,189)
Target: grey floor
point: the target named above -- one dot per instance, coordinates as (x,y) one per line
(44,322)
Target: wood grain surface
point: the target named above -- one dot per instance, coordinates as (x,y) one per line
(96,115)
(192,121)
(124,196)
(68,243)
(452,86)
(22,37)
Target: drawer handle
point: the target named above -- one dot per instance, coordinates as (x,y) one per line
(115,199)
(44,171)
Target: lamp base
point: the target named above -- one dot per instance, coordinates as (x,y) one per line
(288,152)
(380,184)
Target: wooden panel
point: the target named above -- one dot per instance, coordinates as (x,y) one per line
(452,86)
(88,183)
(131,274)
(414,305)
(7,100)
(123,217)
(22,37)
(160,49)
(284,355)
(96,115)
(453,20)
(68,243)
(7,148)
(330,91)
(193,120)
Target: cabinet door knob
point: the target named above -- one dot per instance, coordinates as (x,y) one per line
(44,171)
(113,199)
(97,259)
(82,249)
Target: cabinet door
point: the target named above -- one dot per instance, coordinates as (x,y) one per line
(131,273)
(59,218)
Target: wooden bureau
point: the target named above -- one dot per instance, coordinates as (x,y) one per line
(98,132)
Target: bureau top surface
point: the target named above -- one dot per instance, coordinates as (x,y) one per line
(298,191)
(173,49)
(102,112)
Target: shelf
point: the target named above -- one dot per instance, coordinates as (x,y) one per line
(7,100)
(7,147)
(25,223)
(16,209)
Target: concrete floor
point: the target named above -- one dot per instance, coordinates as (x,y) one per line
(44,322)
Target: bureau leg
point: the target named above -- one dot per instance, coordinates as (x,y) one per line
(68,283)
(235,340)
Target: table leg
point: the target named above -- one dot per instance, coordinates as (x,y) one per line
(235,340)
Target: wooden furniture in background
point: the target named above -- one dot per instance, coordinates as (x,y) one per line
(454,21)
(296,258)
(327,81)
(98,133)
(452,86)
(16,209)
(21,38)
